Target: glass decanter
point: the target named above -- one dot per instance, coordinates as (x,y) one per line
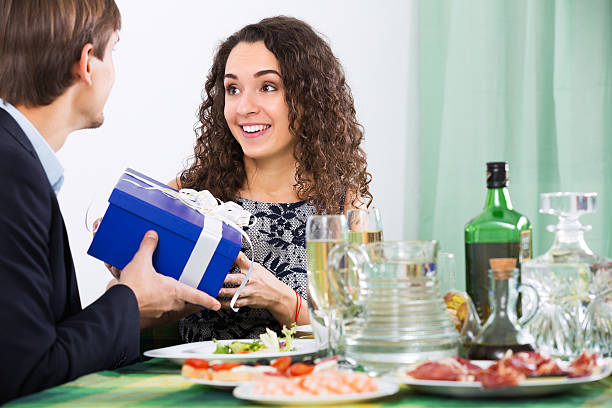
(572,283)
(503,329)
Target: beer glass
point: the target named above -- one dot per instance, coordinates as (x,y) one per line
(365,225)
(323,232)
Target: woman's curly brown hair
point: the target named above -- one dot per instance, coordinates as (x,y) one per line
(330,161)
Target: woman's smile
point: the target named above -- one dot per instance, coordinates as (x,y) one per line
(252,130)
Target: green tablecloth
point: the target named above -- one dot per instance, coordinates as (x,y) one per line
(157,383)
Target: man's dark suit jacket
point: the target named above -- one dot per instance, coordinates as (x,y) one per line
(46,337)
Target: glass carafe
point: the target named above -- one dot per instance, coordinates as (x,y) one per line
(503,330)
(389,309)
(573,283)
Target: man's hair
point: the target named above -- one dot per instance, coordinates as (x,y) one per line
(41,40)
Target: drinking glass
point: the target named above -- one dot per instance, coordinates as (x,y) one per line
(95,211)
(447,272)
(323,232)
(365,225)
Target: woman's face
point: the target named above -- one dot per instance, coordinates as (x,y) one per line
(255,107)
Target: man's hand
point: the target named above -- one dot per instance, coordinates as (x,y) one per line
(160,298)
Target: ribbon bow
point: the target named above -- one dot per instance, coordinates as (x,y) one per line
(206,204)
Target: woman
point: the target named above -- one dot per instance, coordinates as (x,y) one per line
(278,135)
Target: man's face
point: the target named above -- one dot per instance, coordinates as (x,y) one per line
(91,103)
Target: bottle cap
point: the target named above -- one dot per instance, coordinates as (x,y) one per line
(497,174)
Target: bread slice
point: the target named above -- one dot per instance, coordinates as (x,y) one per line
(192,372)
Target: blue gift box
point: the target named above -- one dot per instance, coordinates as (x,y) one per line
(135,207)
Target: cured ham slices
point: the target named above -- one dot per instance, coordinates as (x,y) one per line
(506,372)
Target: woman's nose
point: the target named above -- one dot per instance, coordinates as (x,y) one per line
(247,104)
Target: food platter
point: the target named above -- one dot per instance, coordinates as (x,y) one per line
(205,350)
(221,385)
(245,392)
(529,387)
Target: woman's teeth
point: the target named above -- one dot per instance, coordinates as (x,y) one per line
(255,128)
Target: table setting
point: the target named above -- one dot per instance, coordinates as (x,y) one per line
(389,325)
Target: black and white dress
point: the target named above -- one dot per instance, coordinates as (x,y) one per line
(279,241)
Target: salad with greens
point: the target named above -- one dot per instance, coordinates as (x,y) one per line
(269,341)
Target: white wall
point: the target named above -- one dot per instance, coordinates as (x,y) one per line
(165,51)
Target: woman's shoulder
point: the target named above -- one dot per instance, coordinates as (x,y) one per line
(175,183)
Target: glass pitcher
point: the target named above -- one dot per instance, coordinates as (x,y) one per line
(389,310)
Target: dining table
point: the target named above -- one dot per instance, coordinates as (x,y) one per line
(158,383)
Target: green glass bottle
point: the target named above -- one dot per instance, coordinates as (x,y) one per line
(497,232)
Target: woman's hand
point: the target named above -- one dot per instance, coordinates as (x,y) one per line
(263,291)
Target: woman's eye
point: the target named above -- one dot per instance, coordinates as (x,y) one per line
(232,90)
(268,88)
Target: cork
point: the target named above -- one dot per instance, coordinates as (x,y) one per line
(503,268)
(502,263)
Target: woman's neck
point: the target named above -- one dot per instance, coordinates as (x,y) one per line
(270,180)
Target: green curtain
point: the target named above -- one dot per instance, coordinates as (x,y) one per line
(528,82)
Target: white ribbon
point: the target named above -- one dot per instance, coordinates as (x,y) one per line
(203,252)
(209,206)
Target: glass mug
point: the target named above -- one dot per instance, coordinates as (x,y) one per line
(388,310)
(323,232)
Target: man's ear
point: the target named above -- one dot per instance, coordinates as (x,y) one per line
(83,65)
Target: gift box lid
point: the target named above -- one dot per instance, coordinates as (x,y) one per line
(143,200)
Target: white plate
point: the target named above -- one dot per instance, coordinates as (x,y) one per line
(304,329)
(205,350)
(245,392)
(222,385)
(528,388)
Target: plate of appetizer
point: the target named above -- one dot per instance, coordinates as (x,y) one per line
(318,387)
(228,375)
(524,374)
(268,346)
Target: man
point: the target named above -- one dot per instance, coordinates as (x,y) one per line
(55,76)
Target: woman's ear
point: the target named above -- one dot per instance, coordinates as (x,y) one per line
(83,65)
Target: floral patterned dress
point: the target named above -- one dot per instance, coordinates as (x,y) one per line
(280,246)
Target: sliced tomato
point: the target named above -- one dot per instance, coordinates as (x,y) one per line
(224,366)
(197,363)
(282,363)
(297,369)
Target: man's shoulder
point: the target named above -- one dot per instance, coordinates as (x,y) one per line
(12,134)
(17,156)
(25,187)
